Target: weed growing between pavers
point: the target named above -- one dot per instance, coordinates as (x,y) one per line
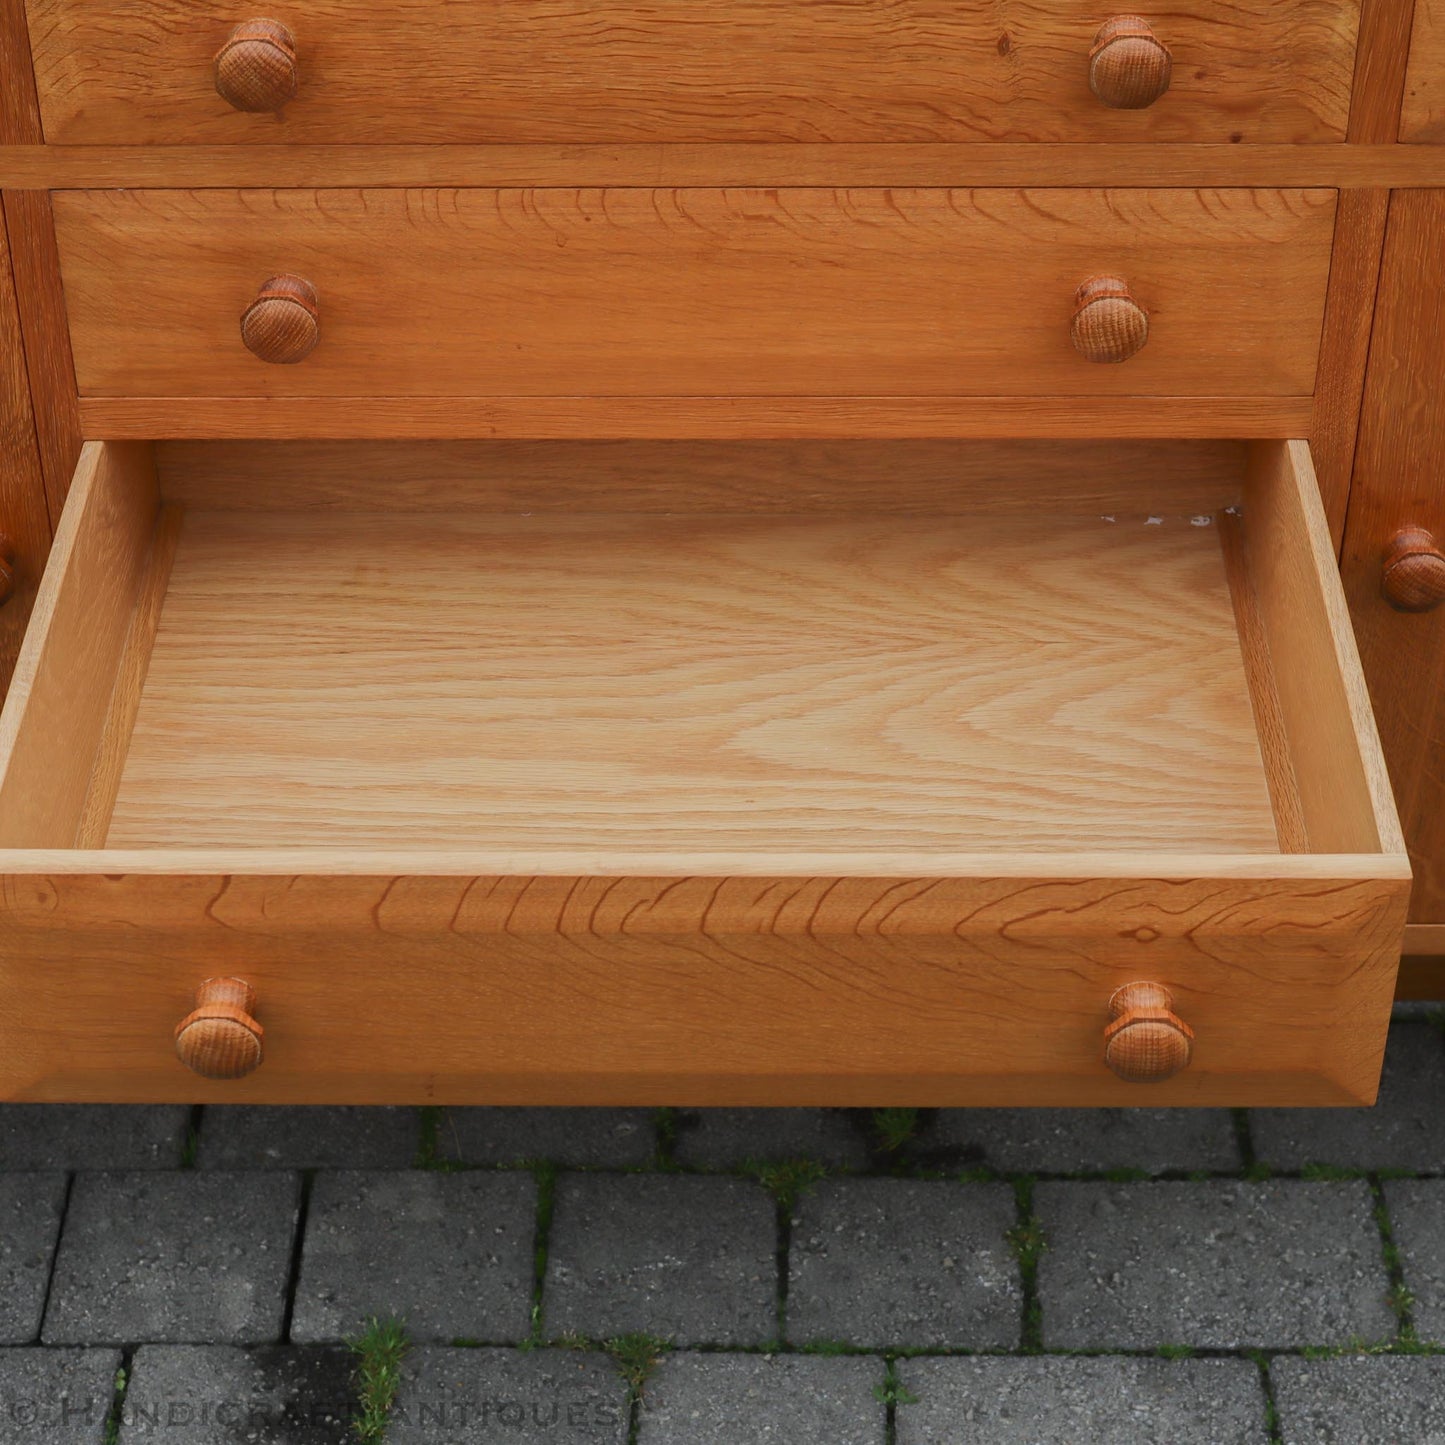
(117,1402)
(1271,1408)
(379,1349)
(1026,1239)
(546,1177)
(665,1122)
(1175,1352)
(637,1356)
(894,1128)
(787,1180)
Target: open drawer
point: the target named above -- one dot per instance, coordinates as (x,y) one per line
(850,773)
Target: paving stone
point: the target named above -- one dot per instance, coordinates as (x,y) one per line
(763,1400)
(569,1138)
(221,1395)
(689,1258)
(1074,1141)
(184,1257)
(61,1397)
(92,1136)
(897,1262)
(542,1397)
(1417,1214)
(245,1136)
(1220,1265)
(730,1138)
(30,1210)
(1361,1400)
(1404,1130)
(448,1254)
(1042,1401)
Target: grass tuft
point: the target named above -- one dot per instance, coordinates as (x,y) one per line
(429,1146)
(636,1356)
(787,1180)
(379,1349)
(893,1392)
(894,1128)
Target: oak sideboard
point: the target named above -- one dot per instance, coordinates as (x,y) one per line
(737,551)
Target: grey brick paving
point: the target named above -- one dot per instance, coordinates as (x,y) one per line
(450,1254)
(894,1262)
(1076,1141)
(1221,1265)
(241,1136)
(710,1399)
(691,1259)
(1041,1401)
(542,1397)
(92,1136)
(569,1138)
(30,1210)
(60,1397)
(221,1395)
(1361,1400)
(730,1138)
(1404,1130)
(1417,1214)
(180,1257)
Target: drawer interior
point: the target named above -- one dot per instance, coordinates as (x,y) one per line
(611,651)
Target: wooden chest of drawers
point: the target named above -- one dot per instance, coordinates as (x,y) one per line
(700,554)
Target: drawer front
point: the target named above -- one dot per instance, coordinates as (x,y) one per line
(760,990)
(697,292)
(144,71)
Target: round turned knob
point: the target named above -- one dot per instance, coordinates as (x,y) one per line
(256,67)
(1129,66)
(1146,1043)
(1414,578)
(7,570)
(219,1039)
(1109,324)
(282,325)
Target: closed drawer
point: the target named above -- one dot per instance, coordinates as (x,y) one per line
(145,72)
(748,773)
(696,292)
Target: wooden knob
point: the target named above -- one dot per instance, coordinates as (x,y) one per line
(256,67)
(1146,1043)
(1129,66)
(1109,324)
(219,1039)
(282,325)
(1414,578)
(7,570)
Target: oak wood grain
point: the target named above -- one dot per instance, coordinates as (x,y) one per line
(642,292)
(1422,117)
(743,164)
(140,71)
(1345,347)
(382,418)
(1380,70)
(776,989)
(46,335)
(730,684)
(24,517)
(54,716)
(1399,482)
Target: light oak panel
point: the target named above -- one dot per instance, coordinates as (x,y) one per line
(1423,114)
(899,292)
(723,684)
(55,714)
(140,71)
